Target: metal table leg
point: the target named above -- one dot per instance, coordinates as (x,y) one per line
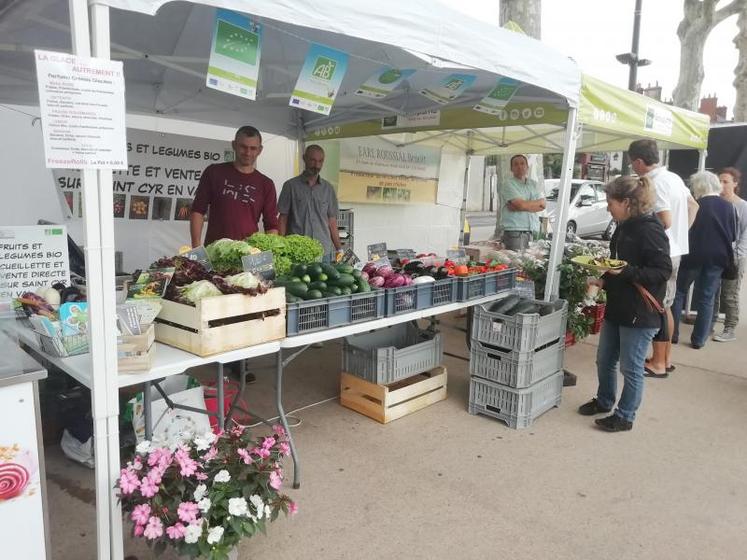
(221,411)
(147,402)
(283,420)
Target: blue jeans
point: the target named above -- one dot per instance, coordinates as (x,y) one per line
(707,282)
(628,347)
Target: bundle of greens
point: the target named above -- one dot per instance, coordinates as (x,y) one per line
(225,255)
(288,250)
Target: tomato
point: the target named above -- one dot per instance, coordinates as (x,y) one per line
(461,270)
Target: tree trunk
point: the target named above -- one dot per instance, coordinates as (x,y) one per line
(740,72)
(700,17)
(526,13)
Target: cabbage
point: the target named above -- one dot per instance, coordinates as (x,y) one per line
(243,280)
(225,254)
(196,291)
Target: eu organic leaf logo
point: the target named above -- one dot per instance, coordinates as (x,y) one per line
(324,68)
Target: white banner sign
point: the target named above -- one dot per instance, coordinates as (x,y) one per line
(160,180)
(235,54)
(82,111)
(32,257)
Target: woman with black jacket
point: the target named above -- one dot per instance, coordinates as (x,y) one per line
(631,320)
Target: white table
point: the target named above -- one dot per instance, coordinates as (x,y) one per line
(172,361)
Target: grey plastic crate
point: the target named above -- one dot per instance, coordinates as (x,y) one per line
(345,219)
(518,408)
(391,354)
(314,315)
(523,332)
(420,296)
(481,285)
(64,346)
(515,369)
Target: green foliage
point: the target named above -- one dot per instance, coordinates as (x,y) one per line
(288,250)
(225,255)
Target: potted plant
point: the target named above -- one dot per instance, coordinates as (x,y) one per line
(208,493)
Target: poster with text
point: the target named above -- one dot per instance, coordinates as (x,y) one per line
(448,89)
(160,180)
(383,82)
(235,54)
(82,107)
(376,172)
(32,257)
(320,79)
(499,96)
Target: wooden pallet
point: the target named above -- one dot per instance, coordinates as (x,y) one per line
(135,352)
(385,403)
(222,323)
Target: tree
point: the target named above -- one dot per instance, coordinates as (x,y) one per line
(740,72)
(700,17)
(526,13)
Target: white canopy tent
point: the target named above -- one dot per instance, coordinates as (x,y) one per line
(165,60)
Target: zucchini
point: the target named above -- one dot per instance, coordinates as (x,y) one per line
(306,278)
(330,271)
(356,273)
(363,285)
(314,270)
(345,291)
(318,285)
(289,298)
(334,291)
(504,304)
(354,288)
(313,294)
(297,289)
(343,280)
(299,270)
(345,268)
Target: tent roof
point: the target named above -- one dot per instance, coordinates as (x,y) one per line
(166,57)
(610,118)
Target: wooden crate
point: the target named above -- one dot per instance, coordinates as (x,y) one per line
(222,323)
(385,403)
(135,352)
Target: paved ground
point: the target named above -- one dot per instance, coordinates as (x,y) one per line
(442,484)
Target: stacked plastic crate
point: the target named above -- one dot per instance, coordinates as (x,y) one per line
(516,362)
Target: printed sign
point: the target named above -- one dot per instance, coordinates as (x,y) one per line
(200,255)
(498,97)
(378,254)
(259,265)
(349,257)
(458,256)
(32,257)
(659,120)
(383,82)
(235,54)
(423,118)
(451,87)
(405,254)
(320,79)
(82,108)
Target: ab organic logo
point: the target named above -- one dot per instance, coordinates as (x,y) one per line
(324,68)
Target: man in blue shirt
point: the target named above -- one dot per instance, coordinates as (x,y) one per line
(521,202)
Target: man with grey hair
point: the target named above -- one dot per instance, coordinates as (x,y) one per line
(676,208)
(308,205)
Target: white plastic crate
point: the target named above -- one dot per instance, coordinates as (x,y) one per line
(515,369)
(522,332)
(391,354)
(518,408)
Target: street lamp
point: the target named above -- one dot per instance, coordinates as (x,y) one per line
(631,58)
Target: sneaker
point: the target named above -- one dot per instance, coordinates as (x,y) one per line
(727,336)
(591,408)
(614,423)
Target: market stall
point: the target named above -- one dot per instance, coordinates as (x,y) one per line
(162,50)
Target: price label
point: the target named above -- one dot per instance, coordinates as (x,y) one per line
(405,254)
(348,257)
(200,255)
(260,265)
(459,256)
(377,251)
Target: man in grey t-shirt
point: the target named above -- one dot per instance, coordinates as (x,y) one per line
(308,205)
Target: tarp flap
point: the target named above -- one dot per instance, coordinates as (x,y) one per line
(608,108)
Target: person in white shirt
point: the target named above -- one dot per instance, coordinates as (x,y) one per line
(676,208)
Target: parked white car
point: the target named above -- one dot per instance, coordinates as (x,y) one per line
(588,214)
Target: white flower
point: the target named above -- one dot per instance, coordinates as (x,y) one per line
(258,504)
(237,507)
(268,511)
(222,476)
(193,533)
(215,535)
(143,446)
(204,441)
(204,505)
(200,492)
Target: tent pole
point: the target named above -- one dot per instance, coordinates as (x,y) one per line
(702,159)
(105,378)
(558,240)
(81,43)
(465,188)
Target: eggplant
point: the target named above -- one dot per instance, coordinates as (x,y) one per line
(441,273)
(71,294)
(412,266)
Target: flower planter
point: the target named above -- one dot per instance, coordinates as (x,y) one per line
(596,313)
(570,339)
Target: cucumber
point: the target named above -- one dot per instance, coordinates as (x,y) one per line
(306,278)
(330,271)
(297,289)
(318,285)
(322,277)
(292,299)
(363,285)
(356,273)
(296,278)
(504,304)
(345,268)
(313,294)
(299,270)
(334,291)
(314,270)
(344,280)
(354,288)
(345,291)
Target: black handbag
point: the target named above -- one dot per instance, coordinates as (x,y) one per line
(731,272)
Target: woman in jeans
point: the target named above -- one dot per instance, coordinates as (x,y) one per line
(630,321)
(729,299)
(710,238)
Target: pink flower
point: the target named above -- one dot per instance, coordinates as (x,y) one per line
(279,430)
(244,454)
(154,529)
(128,481)
(176,531)
(211,454)
(293,508)
(139,530)
(188,466)
(237,430)
(268,443)
(201,476)
(155,475)
(276,480)
(262,453)
(188,511)
(161,457)
(140,514)
(284,448)
(148,488)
